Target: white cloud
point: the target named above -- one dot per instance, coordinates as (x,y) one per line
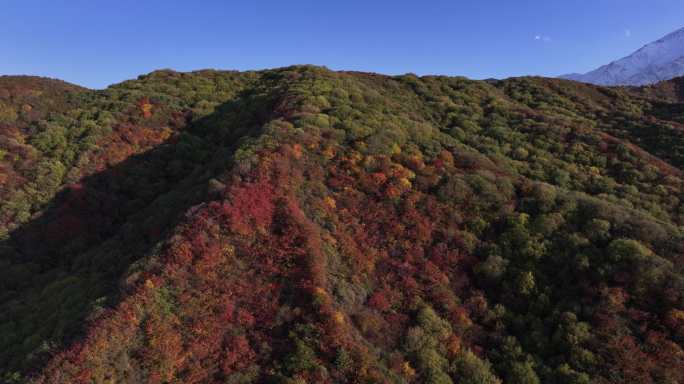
(538,37)
(543,38)
(628,33)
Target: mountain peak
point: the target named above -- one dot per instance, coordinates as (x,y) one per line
(660,60)
(678,34)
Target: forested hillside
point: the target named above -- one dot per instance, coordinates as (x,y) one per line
(300,225)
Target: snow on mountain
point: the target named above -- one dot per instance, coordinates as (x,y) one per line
(661,60)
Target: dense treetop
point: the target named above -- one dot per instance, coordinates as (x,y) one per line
(301,225)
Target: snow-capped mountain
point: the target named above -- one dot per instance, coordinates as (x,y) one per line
(657,61)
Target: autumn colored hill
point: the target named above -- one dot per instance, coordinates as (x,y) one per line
(300,225)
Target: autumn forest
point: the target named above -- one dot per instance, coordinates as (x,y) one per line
(300,225)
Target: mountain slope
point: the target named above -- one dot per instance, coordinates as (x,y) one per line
(302,225)
(657,61)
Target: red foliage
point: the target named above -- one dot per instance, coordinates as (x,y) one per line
(245,318)
(238,355)
(251,207)
(379,302)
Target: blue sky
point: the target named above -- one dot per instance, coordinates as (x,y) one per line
(96,43)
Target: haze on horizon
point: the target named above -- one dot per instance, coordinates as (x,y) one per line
(95,45)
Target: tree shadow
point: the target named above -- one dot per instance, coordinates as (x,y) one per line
(68,263)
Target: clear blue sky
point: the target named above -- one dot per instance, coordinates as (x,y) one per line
(97,42)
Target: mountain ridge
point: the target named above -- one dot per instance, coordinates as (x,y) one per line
(304,225)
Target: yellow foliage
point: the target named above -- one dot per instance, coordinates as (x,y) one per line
(407,369)
(320,291)
(229,250)
(320,296)
(397,170)
(166,133)
(356,157)
(329,153)
(330,202)
(146,109)
(675,317)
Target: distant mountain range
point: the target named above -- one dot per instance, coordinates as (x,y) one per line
(657,61)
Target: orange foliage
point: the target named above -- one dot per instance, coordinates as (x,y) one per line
(145,107)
